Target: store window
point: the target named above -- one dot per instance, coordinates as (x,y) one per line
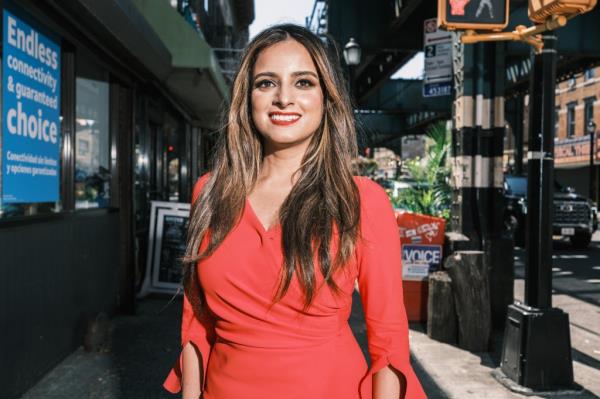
(30,138)
(173,133)
(92,136)
(571,119)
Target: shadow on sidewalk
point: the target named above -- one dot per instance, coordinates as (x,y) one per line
(140,351)
(132,364)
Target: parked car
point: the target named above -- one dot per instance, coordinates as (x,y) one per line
(574,215)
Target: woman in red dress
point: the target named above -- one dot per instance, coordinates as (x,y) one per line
(279,233)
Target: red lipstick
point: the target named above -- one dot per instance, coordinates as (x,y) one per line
(284,118)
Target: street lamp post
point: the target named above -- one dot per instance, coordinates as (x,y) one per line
(536,350)
(591,130)
(352,54)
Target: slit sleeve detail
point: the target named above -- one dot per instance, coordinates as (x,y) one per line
(380,287)
(199,330)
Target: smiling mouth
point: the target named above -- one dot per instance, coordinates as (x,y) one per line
(283,119)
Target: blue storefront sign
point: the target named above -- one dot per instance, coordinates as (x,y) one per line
(30,113)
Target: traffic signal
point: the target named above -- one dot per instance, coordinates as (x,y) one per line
(540,10)
(473,14)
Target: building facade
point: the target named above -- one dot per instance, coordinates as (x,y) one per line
(577,103)
(106,106)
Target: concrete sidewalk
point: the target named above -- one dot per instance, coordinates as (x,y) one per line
(142,348)
(449,372)
(132,364)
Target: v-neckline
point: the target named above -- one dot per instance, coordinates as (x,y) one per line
(263,229)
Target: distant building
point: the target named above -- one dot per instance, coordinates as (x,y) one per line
(387,163)
(413,147)
(577,103)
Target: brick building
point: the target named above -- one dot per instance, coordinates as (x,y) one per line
(577,103)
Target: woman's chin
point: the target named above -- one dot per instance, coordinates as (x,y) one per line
(285,142)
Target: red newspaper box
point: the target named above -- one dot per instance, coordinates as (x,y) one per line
(421,240)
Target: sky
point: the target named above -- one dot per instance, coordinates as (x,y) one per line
(271,12)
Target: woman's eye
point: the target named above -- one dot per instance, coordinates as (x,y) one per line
(263,84)
(305,83)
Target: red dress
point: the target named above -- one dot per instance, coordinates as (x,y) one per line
(253,350)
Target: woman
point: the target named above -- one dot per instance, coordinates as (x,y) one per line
(279,233)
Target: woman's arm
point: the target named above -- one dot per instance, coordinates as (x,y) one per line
(197,338)
(380,285)
(388,384)
(191,372)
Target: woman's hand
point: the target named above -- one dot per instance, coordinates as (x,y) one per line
(388,384)
(192,372)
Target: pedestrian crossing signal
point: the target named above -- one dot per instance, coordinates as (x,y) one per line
(540,10)
(473,14)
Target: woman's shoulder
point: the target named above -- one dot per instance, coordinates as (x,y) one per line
(370,192)
(198,186)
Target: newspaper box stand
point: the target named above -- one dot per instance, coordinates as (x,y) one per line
(421,240)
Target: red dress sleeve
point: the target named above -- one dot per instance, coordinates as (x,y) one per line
(197,329)
(380,286)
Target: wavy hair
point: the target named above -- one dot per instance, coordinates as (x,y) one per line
(322,204)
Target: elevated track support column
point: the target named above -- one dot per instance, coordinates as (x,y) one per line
(477,149)
(477,141)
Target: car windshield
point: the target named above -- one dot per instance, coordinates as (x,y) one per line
(516,185)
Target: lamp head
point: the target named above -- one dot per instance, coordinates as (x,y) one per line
(352,52)
(591,126)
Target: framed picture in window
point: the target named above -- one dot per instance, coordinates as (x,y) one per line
(166,247)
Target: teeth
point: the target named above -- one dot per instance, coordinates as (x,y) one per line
(286,118)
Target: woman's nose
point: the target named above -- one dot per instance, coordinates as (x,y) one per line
(283,97)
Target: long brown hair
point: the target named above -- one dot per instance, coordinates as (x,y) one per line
(323,200)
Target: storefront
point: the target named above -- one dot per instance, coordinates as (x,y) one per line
(97,121)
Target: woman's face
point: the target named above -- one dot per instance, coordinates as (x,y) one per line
(287,100)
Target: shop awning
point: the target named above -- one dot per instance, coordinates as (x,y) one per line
(196,78)
(159,38)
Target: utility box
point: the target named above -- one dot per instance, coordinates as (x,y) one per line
(537,348)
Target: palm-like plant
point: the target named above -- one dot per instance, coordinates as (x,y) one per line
(431,194)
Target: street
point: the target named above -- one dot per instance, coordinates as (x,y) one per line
(575,272)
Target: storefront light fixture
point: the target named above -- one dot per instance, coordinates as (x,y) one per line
(84,122)
(352,52)
(591,127)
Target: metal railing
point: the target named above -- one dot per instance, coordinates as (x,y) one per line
(195,14)
(229,60)
(317,21)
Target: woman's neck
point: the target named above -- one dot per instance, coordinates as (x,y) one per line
(279,166)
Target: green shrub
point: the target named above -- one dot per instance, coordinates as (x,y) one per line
(431,193)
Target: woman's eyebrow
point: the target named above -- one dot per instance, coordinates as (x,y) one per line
(301,73)
(294,74)
(269,74)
